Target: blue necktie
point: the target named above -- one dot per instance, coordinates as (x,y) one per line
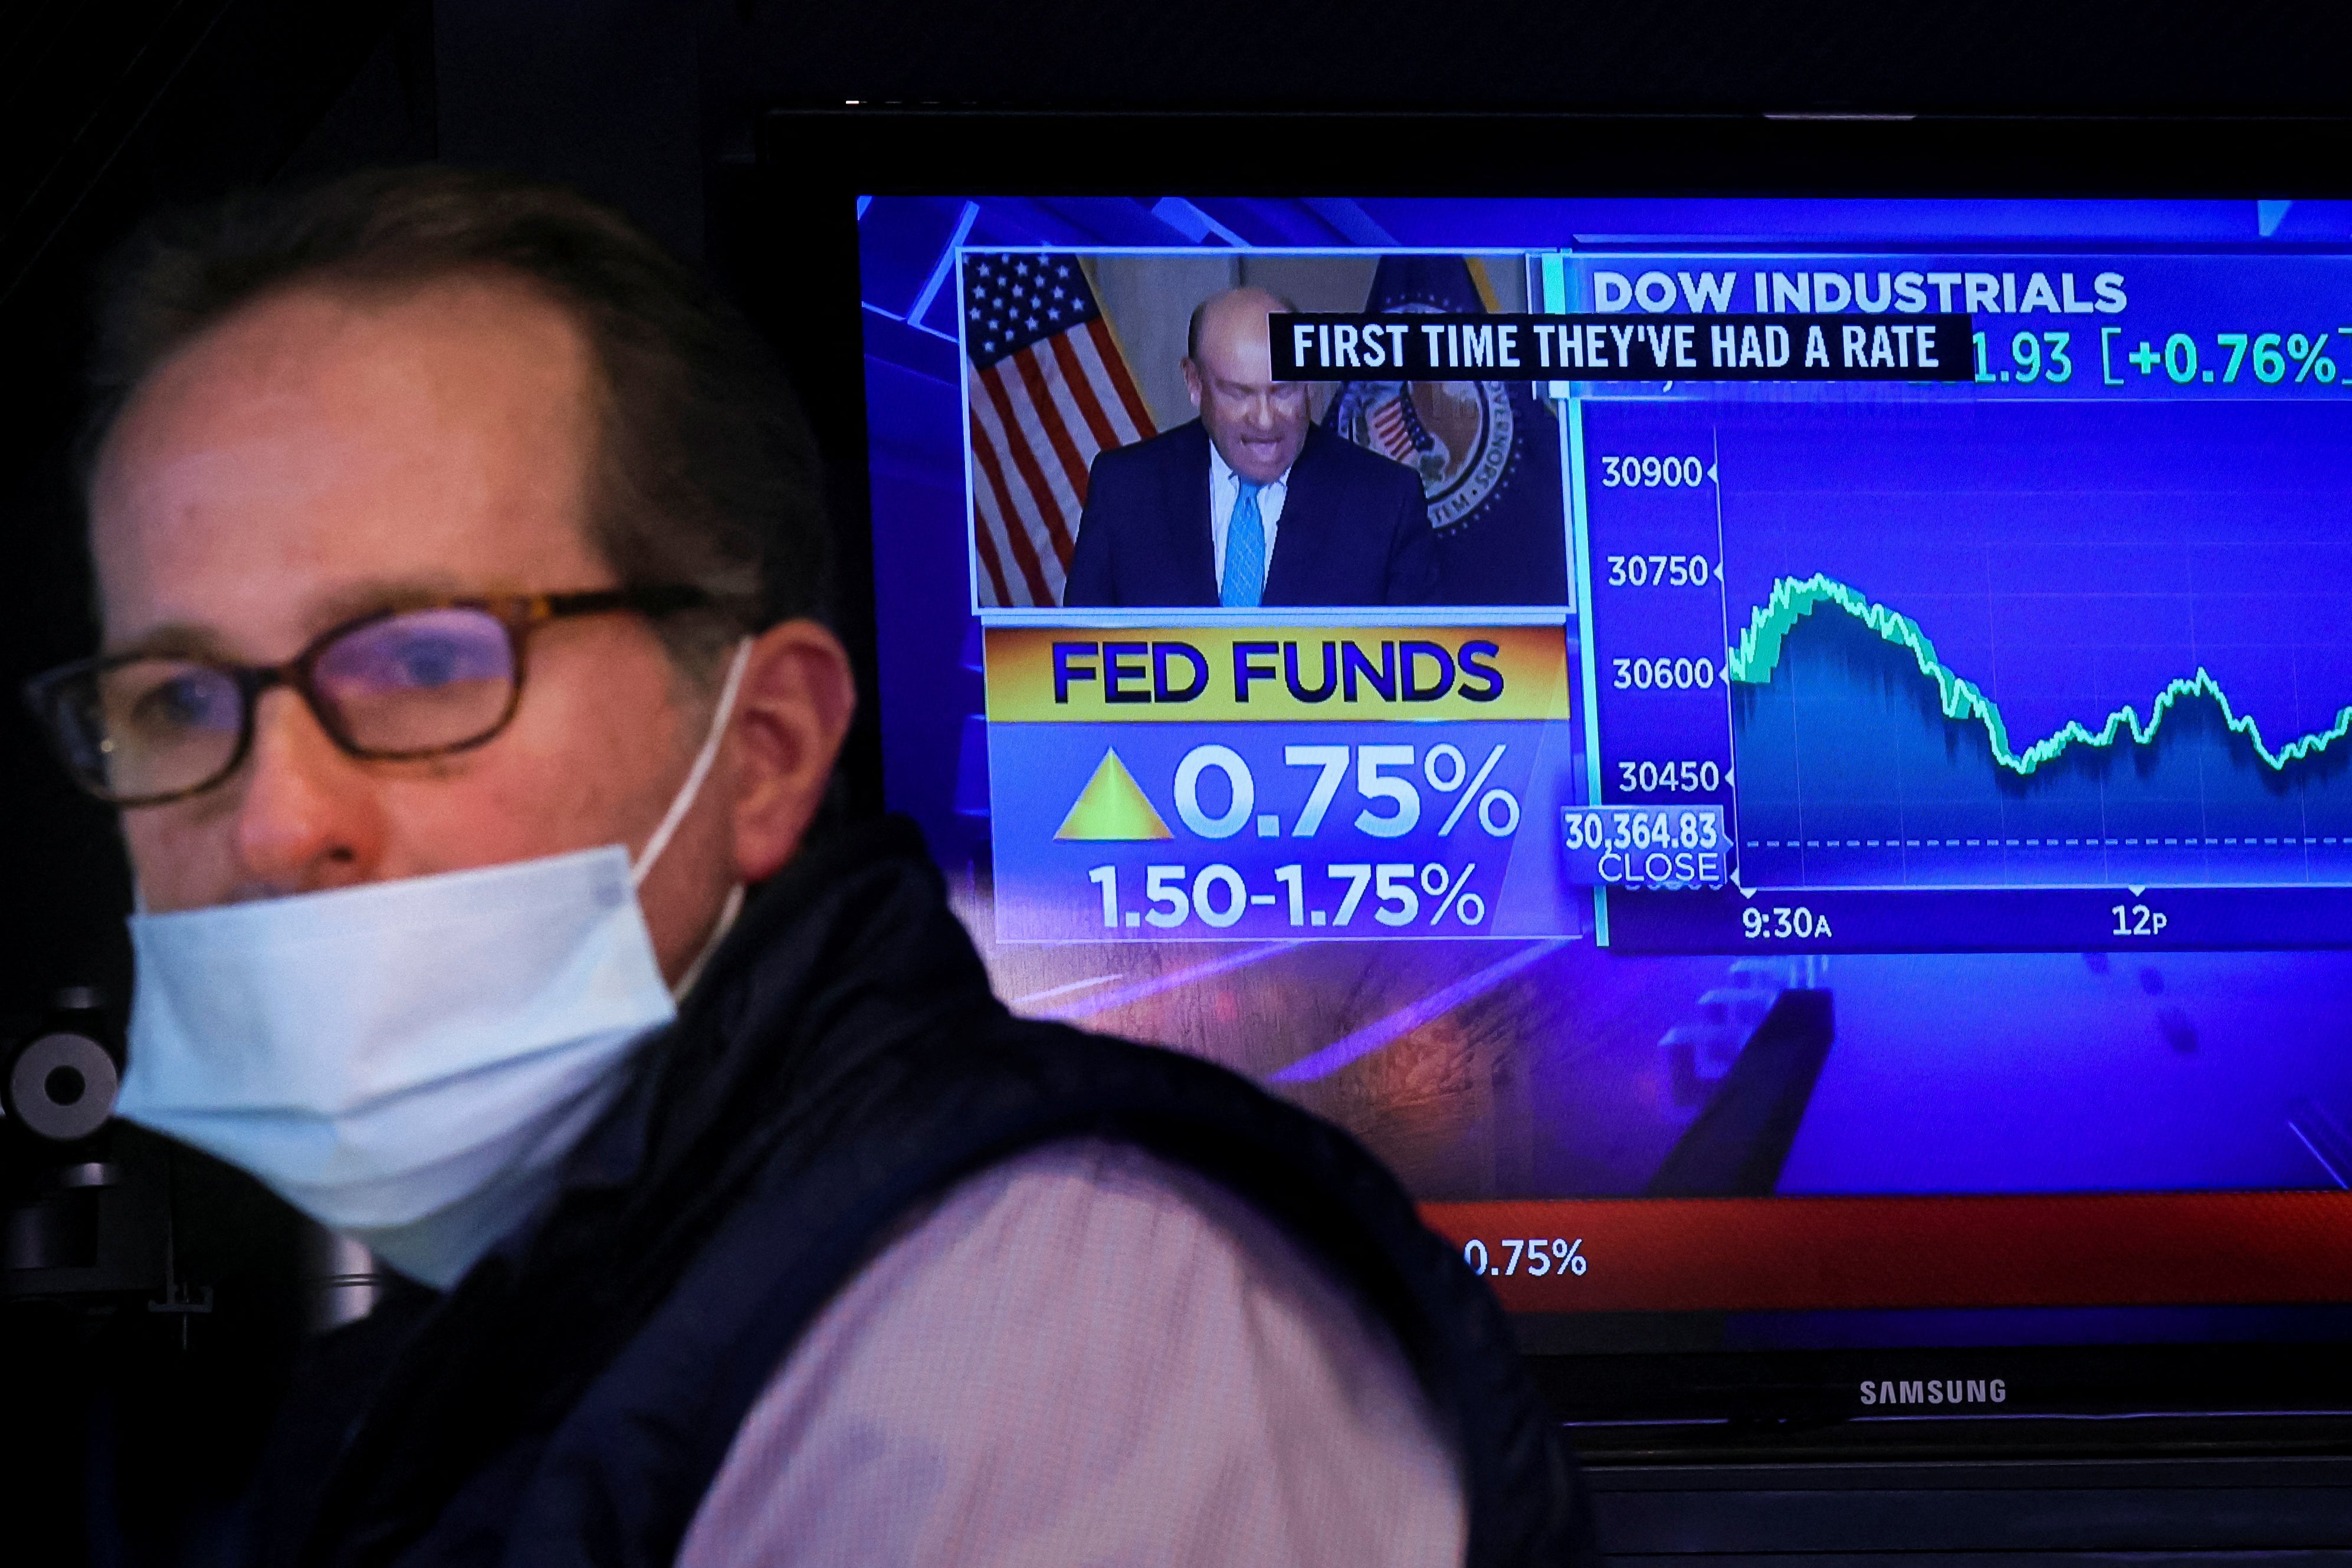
(1244,583)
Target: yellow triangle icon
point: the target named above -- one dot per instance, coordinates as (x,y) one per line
(1112,806)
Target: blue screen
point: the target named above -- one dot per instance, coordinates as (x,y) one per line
(2011,715)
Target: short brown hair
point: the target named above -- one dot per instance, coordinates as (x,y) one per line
(706,473)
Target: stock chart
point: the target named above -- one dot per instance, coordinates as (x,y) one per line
(2064,645)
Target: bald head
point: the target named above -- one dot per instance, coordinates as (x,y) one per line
(1245,308)
(1257,423)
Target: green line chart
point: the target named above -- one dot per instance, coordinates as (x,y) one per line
(1866,759)
(2071,646)
(1758,653)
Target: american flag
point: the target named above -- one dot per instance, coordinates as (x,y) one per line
(1047,389)
(1397,428)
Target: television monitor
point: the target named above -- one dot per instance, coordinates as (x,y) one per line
(1825,864)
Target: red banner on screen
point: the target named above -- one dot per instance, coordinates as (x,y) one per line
(1798,1253)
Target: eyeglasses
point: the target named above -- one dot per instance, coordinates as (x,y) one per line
(139,729)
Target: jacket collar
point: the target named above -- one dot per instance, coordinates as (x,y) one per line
(853,926)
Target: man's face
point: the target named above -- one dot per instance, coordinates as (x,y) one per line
(322,454)
(1257,422)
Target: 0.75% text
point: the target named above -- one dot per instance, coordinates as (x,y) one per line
(1521,1254)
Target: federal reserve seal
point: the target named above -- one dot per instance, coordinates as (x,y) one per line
(1456,435)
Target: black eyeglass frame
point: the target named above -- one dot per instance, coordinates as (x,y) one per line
(519,613)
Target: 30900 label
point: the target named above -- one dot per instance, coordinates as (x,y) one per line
(1652,473)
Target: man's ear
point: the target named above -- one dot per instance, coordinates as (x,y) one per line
(790,715)
(1193,384)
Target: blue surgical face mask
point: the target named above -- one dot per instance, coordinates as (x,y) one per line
(407,1062)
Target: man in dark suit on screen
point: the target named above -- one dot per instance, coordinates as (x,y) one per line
(1252,503)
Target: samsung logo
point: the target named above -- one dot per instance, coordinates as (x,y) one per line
(1951,1391)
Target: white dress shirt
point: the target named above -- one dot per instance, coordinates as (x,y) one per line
(1087,1355)
(1225,489)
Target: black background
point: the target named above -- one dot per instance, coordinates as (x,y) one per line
(111,108)
(1638,360)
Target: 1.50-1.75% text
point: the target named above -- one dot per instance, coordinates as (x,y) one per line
(1218,896)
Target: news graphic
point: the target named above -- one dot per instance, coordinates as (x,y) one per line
(1345,783)
(1078,365)
(1600,348)
(1869,782)
(2063,651)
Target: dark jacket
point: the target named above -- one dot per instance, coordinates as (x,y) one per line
(843,1060)
(1354,529)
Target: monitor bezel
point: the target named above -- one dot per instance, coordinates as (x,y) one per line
(784,239)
